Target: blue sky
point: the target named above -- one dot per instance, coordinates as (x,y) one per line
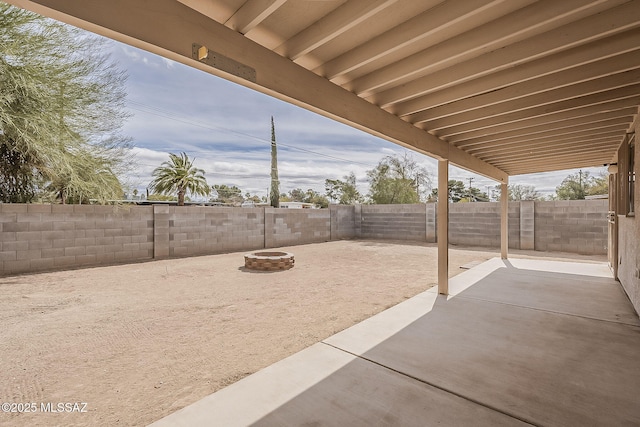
(226,128)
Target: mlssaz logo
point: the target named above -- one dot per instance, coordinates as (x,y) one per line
(80,407)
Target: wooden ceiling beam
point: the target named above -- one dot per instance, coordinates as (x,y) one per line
(217,11)
(568,147)
(337,22)
(529,22)
(608,23)
(557,121)
(549,99)
(588,154)
(602,49)
(556,166)
(553,140)
(251,14)
(494,30)
(583,79)
(553,112)
(434,25)
(555,128)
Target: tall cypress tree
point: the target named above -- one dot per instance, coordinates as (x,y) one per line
(275,184)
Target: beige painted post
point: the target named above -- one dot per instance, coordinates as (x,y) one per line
(504,219)
(443,227)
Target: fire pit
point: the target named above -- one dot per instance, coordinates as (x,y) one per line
(269,261)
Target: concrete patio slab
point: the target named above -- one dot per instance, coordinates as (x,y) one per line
(326,386)
(546,368)
(515,345)
(563,287)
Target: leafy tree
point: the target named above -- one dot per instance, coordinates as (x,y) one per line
(473,194)
(398,180)
(309,196)
(252,198)
(61,112)
(333,188)
(316,198)
(284,197)
(599,185)
(18,182)
(228,194)
(178,175)
(577,185)
(345,192)
(456,189)
(297,195)
(87,174)
(523,192)
(519,192)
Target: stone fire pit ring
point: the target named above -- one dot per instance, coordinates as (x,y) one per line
(269,261)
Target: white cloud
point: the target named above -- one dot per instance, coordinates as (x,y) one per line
(133,54)
(168,63)
(388,151)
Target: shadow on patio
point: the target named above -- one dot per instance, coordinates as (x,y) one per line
(517,342)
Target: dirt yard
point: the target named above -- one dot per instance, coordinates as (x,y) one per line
(138,342)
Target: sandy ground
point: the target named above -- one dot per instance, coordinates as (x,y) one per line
(137,342)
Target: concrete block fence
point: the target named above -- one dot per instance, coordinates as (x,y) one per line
(571,226)
(48,237)
(399,222)
(45,237)
(478,224)
(197,230)
(288,227)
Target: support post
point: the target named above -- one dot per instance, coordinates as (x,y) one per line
(504,219)
(443,227)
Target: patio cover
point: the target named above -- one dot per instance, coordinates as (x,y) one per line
(499,87)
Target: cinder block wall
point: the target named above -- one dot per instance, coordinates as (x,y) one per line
(286,227)
(45,237)
(478,224)
(578,226)
(197,230)
(343,222)
(401,222)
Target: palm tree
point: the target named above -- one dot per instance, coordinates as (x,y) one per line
(179,175)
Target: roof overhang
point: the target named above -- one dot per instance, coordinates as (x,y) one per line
(496,87)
